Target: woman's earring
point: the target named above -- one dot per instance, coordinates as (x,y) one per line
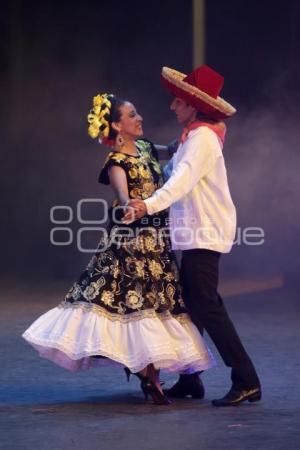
(120,140)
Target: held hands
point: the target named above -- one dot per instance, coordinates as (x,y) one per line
(136,209)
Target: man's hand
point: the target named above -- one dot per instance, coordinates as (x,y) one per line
(136,209)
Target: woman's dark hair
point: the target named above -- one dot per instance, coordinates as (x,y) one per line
(115,114)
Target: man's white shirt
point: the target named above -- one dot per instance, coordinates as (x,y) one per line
(202,214)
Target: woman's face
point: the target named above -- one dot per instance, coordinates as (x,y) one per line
(130,123)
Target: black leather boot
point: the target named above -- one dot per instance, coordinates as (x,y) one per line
(236,396)
(187,385)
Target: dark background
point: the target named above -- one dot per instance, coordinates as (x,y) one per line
(58,55)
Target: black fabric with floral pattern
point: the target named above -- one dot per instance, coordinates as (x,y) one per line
(134,272)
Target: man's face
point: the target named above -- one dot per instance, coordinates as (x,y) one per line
(184,112)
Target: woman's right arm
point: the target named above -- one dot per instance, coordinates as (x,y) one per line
(118,181)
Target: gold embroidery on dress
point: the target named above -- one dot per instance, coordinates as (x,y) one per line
(155,268)
(133,173)
(136,270)
(141,183)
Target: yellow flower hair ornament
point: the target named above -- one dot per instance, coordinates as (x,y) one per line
(98,118)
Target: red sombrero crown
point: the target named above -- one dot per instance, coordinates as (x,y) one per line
(200,88)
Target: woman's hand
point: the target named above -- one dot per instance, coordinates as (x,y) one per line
(136,209)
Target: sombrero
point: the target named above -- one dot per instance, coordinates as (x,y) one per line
(200,89)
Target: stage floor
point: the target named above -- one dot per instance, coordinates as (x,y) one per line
(44,407)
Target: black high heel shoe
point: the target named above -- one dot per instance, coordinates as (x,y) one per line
(150,388)
(129,373)
(137,374)
(140,377)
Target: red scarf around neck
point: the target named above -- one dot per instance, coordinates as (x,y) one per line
(219,128)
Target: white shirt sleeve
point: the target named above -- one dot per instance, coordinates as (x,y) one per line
(201,151)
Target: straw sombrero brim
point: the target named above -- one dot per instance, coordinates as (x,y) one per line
(215,107)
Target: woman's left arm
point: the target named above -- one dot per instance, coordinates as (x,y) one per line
(165,152)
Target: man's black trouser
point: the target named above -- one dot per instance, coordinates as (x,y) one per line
(199,277)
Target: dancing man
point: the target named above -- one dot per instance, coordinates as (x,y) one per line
(202,221)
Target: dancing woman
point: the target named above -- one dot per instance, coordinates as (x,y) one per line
(126,307)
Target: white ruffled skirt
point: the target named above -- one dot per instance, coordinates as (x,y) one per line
(72,335)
